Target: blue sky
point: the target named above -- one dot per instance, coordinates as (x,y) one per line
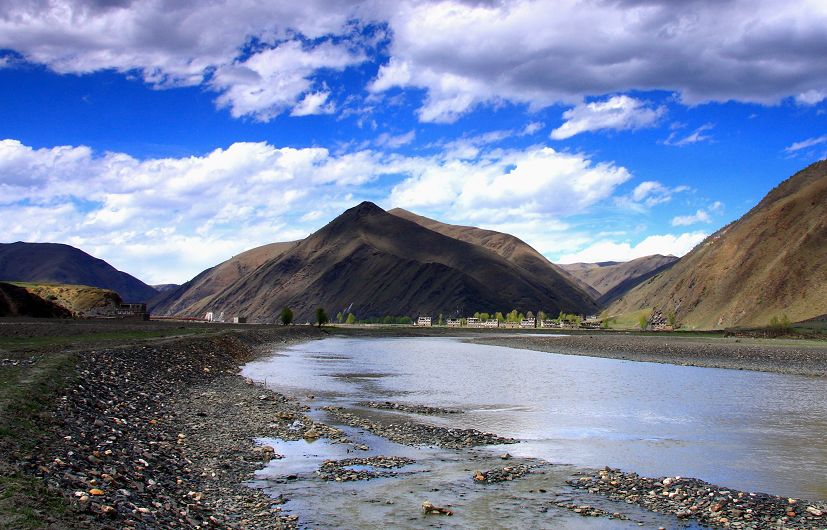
(167,137)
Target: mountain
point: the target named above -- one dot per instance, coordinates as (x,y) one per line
(375,264)
(58,263)
(16,301)
(80,300)
(161,287)
(769,263)
(509,247)
(610,279)
(199,290)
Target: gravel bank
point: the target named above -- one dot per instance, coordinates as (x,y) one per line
(160,435)
(413,433)
(765,355)
(711,505)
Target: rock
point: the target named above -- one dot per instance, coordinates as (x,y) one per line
(812,510)
(430,508)
(96,492)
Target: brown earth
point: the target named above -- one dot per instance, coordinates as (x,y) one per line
(509,247)
(201,289)
(610,279)
(769,263)
(16,301)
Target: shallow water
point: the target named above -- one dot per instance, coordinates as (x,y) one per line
(753,431)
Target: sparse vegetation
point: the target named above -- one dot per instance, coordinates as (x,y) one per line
(321,317)
(286,316)
(642,321)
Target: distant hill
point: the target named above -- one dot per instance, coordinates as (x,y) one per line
(200,290)
(58,263)
(79,300)
(16,301)
(378,264)
(770,262)
(162,287)
(511,248)
(610,279)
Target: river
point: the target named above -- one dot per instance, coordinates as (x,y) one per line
(752,431)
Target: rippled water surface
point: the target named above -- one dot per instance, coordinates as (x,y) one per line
(748,430)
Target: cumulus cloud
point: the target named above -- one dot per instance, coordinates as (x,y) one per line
(177,216)
(648,194)
(674,244)
(536,180)
(700,216)
(617,112)
(465,54)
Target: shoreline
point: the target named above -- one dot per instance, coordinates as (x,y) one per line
(161,433)
(733,353)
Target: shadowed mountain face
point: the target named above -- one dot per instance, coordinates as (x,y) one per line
(57,263)
(610,279)
(770,262)
(201,289)
(16,301)
(380,264)
(511,248)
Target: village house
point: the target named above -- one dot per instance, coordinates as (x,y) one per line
(549,324)
(472,322)
(528,323)
(454,322)
(490,323)
(423,321)
(137,311)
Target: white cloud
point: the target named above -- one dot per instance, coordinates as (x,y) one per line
(694,137)
(466,54)
(700,216)
(805,144)
(395,142)
(532,128)
(676,245)
(537,180)
(648,194)
(811,97)
(617,112)
(271,81)
(462,53)
(166,219)
(315,103)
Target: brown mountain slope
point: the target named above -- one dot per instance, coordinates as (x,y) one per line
(379,264)
(613,278)
(58,263)
(16,301)
(79,300)
(772,261)
(511,248)
(213,280)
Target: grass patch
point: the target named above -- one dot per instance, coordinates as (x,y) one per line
(27,391)
(38,342)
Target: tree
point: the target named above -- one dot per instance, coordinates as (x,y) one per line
(672,318)
(286,316)
(351,318)
(484,316)
(321,317)
(513,316)
(541,315)
(642,321)
(477,315)
(499,316)
(440,320)
(339,317)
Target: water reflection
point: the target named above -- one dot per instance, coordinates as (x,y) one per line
(749,430)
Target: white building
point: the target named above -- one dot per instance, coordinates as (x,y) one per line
(423,321)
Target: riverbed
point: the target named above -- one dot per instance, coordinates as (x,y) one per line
(754,431)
